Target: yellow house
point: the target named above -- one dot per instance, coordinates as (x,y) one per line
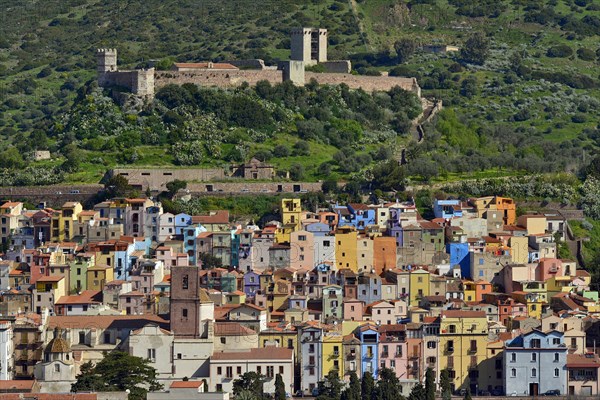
(519,249)
(286,338)
(332,354)
(70,214)
(535,302)
(291,216)
(463,346)
(283,234)
(57,228)
(469,292)
(98,275)
(237,297)
(47,290)
(419,286)
(559,284)
(535,224)
(346,249)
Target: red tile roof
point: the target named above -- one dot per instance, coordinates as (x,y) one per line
(186,384)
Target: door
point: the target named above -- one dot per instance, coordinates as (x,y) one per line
(533,389)
(586,391)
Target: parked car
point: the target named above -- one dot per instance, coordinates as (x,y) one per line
(554,392)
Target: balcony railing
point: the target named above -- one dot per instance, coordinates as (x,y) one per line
(398,354)
(384,354)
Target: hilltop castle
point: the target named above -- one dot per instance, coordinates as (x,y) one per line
(308,47)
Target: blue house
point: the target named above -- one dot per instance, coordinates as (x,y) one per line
(182,221)
(123,261)
(447,208)
(369,346)
(459,255)
(534,363)
(189,241)
(318,229)
(356,215)
(251,283)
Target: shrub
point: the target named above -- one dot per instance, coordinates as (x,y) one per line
(562,51)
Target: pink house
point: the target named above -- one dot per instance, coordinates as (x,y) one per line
(393,348)
(353,310)
(548,268)
(302,250)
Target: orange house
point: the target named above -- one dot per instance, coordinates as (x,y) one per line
(384,254)
(481,288)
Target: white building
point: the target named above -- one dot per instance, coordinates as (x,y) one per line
(6,351)
(225,367)
(153,343)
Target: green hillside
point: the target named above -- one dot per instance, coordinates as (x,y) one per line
(532,105)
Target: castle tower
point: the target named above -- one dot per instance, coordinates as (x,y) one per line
(192,310)
(107,60)
(309,45)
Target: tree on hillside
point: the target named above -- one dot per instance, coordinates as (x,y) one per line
(117,186)
(174,186)
(405,48)
(445,384)
(279,388)
(117,372)
(475,49)
(353,391)
(208,261)
(430,384)
(249,383)
(367,386)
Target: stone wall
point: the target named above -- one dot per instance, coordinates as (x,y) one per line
(224,79)
(367,83)
(157,178)
(337,67)
(53,195)
(229,188)
(256,63)
(140,82)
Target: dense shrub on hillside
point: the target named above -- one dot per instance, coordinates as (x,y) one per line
(561,50)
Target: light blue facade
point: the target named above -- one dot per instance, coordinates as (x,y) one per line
(369,345)
(358,219)
(535,363)
(182,221)
(235,249)
(124,263)
(318,229)
(189,241)
(459,255)
(447,208)
(369,288)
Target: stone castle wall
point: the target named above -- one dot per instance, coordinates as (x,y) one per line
(235,78)
(140,82)
(224,79)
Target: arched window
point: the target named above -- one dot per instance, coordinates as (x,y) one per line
(533,372)
(556,372)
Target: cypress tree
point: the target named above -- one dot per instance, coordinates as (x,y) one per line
(367,386)
(279,388)
(445,384)
(353,391)
(430,384)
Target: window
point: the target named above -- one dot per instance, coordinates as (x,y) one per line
(179,356)
(452,329)
(513,372)
(513,357)
(185,282)
(270,371)
(229,372)
(184,313)
(281,370)
(533,356)
(555,341)
(535,343)
(450,346)
(431,344)
(533,372)
(152,354)
(556,372)
(219,371)
(556,357)
(223,340)
(259,370)
(56,367)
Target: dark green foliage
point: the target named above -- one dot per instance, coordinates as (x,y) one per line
(330,388)
(430,384)
(117,186)
(586,54)
(367,386)
(388,386)
(279,388)
(479,8)
(418,392)
(475,49)
(281,151)
(301,148)
(405,48)
(468,395)
(561,50)
(117,372)
(330,186)
(296,172)
(175,186)
(468,87)
(353,391)
(389,175)
(250,382)
(208,261)
(445,384)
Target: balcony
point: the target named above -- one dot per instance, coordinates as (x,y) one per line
(398,354)
(384,354)
(472,350)
(369,355)
(414,356)
(351,356)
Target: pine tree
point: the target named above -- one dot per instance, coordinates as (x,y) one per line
(279,388)
(468,395)
(388,386)
(353,391)
(430,384)
(367,386)
(331,387)
(445,384)
(417,393)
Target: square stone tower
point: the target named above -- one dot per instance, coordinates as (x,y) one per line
(107,60)
(309,45)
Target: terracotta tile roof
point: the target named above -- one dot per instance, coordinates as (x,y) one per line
(263,353)
(215,217)
(86,297)
(133,293)
(186,384)
(232,329)
(52,278)
(206,65)
(13,385)
(582,361)
(103,321)
(10,204)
